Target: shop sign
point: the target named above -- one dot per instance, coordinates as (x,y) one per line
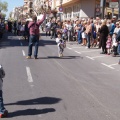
(113,4)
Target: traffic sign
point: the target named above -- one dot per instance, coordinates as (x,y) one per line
(61,9)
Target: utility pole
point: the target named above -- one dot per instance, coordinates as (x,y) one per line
(119,9)
(102,6)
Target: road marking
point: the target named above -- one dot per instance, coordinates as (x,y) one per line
(77,47)
(29,75)
(21,44)
(23,53)
(9,37)
(109,66)
(90,57)
(78,52)
(114,64)
(90,51)
(96,100)
(98,56)
(69,48)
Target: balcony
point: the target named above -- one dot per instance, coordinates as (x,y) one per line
(25,1)
(65,2)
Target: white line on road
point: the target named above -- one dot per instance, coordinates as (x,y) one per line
(90,57)
(114,64)
(90,51)
(21,44)
(69,48)
(109,66)
(98,56)
(78,52)
(29,74)
(23,52)
(77,47)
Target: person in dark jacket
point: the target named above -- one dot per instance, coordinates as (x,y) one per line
(15,28)
(103,37)
(27,31)
(53,29)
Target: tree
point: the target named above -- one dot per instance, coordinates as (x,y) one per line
(3,6)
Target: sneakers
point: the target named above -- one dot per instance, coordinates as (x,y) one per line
(28,57)
(60,55)
(35,58)
(5,114)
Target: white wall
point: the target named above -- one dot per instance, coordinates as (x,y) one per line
(87,8)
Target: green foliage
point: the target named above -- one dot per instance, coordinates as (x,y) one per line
(3,6)
(3,15)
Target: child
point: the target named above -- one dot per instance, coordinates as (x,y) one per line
(114,45)
(61,45)
(3,111)
(108,44)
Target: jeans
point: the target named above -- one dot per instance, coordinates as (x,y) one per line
(69,35)
(53,35)
(88,40)
(2,108)
(33,39)
(60,49)
(118,49)
(79,37)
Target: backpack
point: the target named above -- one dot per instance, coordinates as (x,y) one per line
(2,72)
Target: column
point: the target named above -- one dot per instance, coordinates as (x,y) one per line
(102,6)
(119,10)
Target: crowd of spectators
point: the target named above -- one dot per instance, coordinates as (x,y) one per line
(89,32)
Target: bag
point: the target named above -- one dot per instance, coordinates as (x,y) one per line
(2,72)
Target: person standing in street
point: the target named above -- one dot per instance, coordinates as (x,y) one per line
(88,33)
(34,35)
(104,31)
(3,111)
(61,44)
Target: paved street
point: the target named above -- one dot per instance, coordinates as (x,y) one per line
(83,85)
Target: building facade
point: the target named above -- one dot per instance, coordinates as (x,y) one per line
(28,8)
(70,9)
(82,8)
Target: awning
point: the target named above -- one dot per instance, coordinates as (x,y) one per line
(109,10)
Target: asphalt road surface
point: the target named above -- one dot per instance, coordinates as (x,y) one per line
(83,85)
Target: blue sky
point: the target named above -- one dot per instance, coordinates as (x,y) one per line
(12,4)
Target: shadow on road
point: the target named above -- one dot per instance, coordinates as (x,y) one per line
(64,57)
(30,112)
(37,101)
(43,100)
(10,40)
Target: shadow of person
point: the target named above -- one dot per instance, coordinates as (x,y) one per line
(64,57)
(43,100)
(30,112)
